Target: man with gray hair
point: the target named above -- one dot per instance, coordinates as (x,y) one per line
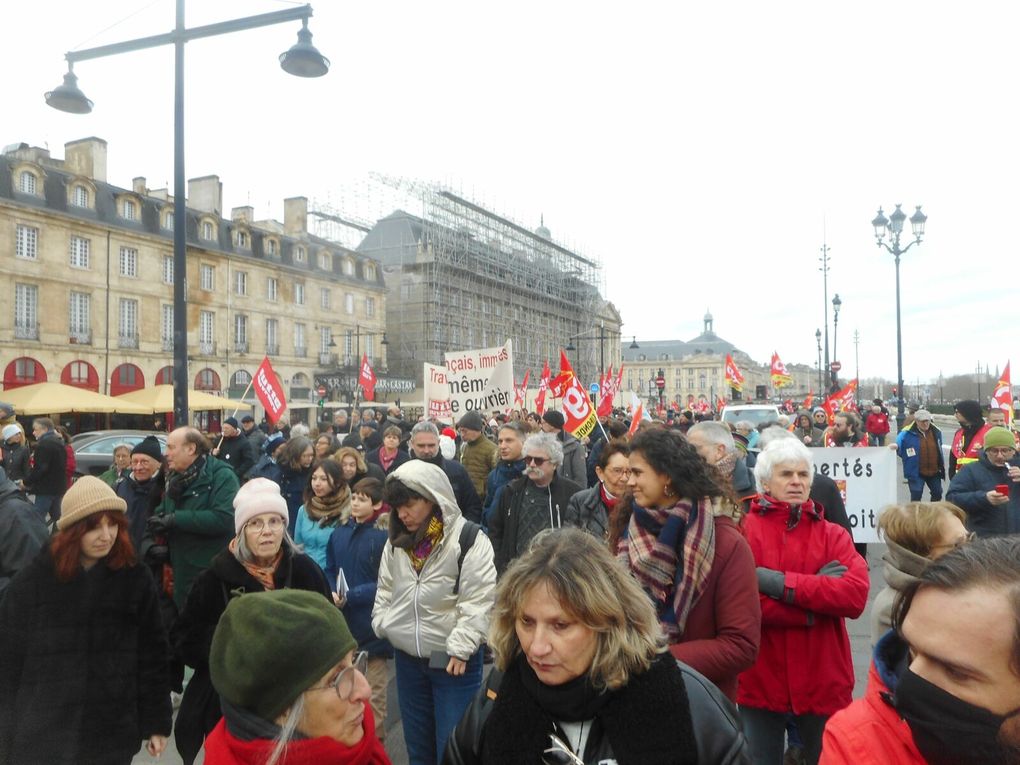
(715,444)
(532,503)
(424,445)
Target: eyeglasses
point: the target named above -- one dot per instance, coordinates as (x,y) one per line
(616,472)
(536,461)
(345,680)
(1002,451)
(559,753)
(275,524)
(958,543)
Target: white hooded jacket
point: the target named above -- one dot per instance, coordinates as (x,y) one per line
(419,613)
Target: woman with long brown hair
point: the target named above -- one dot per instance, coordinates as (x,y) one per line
(83,652)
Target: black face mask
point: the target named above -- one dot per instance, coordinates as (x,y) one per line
(949,731)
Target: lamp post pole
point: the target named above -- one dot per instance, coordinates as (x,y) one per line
(857,367)
(836,303)
(894,225)
(824,268)
(818,339)
(302,60)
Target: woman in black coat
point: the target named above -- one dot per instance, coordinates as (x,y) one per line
(262,556)
(83,652)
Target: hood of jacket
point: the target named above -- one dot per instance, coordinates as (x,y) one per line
(901,566)
(7,486)
(891,658)
(430,481)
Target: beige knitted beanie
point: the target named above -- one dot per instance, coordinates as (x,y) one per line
(86,496)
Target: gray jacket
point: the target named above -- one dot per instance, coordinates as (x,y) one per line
(22,531)
(573,467)
(901,567)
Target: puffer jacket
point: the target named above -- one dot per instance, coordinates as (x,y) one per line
(969,488)
(587,511)
(478,458)
(869,731)
(901,567)
(419,612)
(804,664)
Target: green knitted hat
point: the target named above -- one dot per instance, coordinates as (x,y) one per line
(270,647)
(999,437)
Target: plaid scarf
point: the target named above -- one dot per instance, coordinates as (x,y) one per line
(420,552)
(670,552)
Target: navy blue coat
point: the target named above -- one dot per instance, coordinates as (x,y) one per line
(908,446)
(969,488)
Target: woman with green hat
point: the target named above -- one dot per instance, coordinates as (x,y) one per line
(291,685)
(83,653)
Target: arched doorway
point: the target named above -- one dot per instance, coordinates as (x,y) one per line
(165,376)
(238,383)
(207,380)
(126,378)
(23,371)
(80,374)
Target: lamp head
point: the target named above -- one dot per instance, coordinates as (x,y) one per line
(896,220)
(67,97)
(880,223)
(633,343)
(917,223)
(303,59)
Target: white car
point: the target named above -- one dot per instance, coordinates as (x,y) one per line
(756,414)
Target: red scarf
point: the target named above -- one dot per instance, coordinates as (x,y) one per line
(386,459)
(607,499)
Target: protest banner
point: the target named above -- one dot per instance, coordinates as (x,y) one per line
(480,380)
(270,392)
(866,478)
(437,394)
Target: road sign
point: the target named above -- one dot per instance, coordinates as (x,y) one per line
(835,366)
(593,388)
(322,391)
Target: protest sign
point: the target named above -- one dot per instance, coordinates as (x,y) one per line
(437,394)
(481,380)
(866,478)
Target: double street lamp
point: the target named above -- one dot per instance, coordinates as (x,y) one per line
(356,361)
(893,226)
(302,60)
(835,366)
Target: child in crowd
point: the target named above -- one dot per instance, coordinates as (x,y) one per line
(352,567)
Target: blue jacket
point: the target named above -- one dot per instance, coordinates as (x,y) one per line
(292,487)
(315,537)
(499,476)
(969,488)
(358,549)
(908,446)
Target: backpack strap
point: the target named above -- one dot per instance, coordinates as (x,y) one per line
(468,533)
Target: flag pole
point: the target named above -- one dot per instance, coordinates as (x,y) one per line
(236,410)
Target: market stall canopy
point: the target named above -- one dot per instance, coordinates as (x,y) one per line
(160,398)
(55,398)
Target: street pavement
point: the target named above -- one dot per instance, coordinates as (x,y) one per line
(859,630)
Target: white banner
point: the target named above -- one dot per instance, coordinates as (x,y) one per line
(480,380)
(437,394)
(866,477)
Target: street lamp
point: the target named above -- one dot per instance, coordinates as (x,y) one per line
(857,367)
(894,225)
(302,60)
(660,383)
(818,339)
(824,268)
(836,303)
(601,337)
(358,334)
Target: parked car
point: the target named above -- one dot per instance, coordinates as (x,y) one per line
(93,450)
(753,413)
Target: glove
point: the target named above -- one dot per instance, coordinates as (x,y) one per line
(771,582)
(157,554)
(833,568)
(160,524)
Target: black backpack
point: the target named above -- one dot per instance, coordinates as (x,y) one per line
(468,533)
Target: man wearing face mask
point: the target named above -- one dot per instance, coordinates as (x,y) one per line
(944,686)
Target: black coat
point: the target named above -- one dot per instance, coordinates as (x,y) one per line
(239,454)
(15,461)
(48,475)
(504,525)
(464,490)
(22,533)
(587,512)
(83,666)
(969,489)
(372,458)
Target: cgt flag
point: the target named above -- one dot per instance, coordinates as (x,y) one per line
(270,392)
(521,391)
(733,376)
(577,409)
(1003,396)
(780,376)
(543,388)
(366,378)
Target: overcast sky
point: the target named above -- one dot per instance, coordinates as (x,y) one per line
(701,151)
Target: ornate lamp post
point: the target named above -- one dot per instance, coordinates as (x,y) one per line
(835,366)
(893,225)
(660,384)
(818,339)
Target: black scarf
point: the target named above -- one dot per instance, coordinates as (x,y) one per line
(647,722)
(177,483)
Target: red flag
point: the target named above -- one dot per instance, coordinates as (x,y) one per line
(543,388)
(270,392)
(841,400)
(521,391)
(780,376)
(637,414)
(720,403)
(1003,396)
(366,378)
(807,401)
(561,381)
(577,409)
(733,376)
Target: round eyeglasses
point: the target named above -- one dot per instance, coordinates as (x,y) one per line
(275,523)
(345,679)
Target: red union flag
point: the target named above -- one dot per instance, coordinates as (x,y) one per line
(1003,396)
(841,401)
(577,409)
(366,378)
(733,376)
(521,391)
(543,388)
(780,376)
(270,392)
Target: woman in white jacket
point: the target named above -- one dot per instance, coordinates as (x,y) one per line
(436,590)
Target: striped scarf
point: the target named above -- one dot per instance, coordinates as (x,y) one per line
(670,552)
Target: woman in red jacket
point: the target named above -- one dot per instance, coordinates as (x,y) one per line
(679,537)
(810,579)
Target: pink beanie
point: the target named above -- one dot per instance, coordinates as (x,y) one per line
(259,495)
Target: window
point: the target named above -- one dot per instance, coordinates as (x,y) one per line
(272,288)
(168,220)
(272,337)
(26,311)
(241,238)
(128,262)
(324,262)
(130,210)
(271,247)
(369,272)
(80,196)
(299,254)
(80,252)
(27,243)
(299,339)
(27,182)
(79,313)
(349,342)
(324,297)
(240,333)
(206,324)
(168,269)
(78,372)
(166,326)
(405,292)
(349,303)
(241,282)
(370,350)
(370,307)
(207,277)
(208,232)
(299,294)
(325,338)
(128,331)
(348,267)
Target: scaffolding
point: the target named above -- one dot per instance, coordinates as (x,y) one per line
(461,276)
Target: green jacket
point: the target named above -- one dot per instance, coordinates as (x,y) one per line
(203,523)
(478,458)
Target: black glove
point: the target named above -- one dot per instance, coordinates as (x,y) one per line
(157,554)
(833,568)
(160,524)
(771,582)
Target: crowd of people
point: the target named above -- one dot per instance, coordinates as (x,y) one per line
(672,592)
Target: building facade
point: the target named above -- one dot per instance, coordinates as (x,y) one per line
(90,272)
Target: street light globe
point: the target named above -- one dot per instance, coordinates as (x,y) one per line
(303,59)
(67,97)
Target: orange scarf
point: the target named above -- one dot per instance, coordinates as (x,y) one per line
(262,574)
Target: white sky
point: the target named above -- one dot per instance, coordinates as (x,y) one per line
(698,149)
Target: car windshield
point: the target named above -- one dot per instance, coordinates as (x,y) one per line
(755,416)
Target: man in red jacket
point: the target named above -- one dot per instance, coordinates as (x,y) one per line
(877,424)
(944,686)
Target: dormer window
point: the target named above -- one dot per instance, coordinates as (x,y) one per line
(28,182)
(299,254)
(168,220)
(271,247)
(208,231)
(80,196)
(129,209)
(324,262)
(348,267)
(241,238)
(369,272)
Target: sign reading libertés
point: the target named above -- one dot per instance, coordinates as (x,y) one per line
(866,478)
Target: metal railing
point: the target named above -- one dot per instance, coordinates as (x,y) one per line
(127,341)
(207,349)
(80,338)
(26,331)
(272,350)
